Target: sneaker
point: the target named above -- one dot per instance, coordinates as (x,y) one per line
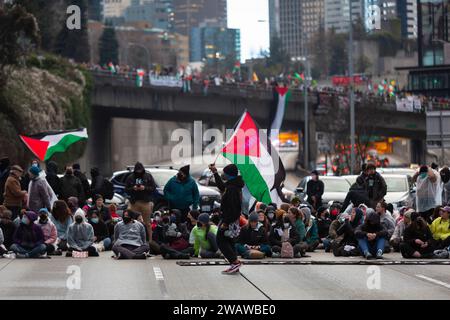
(380,254)
(276,255)
(9,255)
(368,256)
(234,268)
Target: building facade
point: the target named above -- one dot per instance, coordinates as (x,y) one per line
(337,14)
(158,13)
(211,44)
(115,8)
(191,13)
(407,12)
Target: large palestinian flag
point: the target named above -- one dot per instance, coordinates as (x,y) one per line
(261,168)
(281,99)
(44,145)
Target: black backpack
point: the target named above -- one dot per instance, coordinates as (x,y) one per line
(108,189)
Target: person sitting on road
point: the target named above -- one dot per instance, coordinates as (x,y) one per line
(171,242)
(28,238)
(342,231)
(323,224)
(252,242)
(192,219)
(386,221)
(397,236)
(62,219)
(48,229)
(102,241)
(440,228)
(295,215)
(262,218)
(371,236)
(100,209)
(204,236)
(285,206)
(8,227)
(284,231)
(129,238)
(312,234)
(417,239)
(80,237)
(270,213)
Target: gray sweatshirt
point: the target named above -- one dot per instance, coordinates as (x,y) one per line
(132,233)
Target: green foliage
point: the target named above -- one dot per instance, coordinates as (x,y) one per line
(109,46)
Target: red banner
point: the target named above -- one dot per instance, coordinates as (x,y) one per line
(342,81)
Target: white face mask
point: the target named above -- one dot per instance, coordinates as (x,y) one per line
(286,225)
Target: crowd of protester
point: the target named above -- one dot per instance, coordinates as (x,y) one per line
(43,214)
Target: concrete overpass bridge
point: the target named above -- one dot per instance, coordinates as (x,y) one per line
(114,96)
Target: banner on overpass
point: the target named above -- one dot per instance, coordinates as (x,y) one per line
(409,104)
(165,81)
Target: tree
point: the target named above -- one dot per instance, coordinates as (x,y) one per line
(363,64)
(337,47)
(277,53)
(320,54)
(19,33)
(109,46)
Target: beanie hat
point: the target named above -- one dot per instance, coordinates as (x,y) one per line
(43,210)
(203,218)
(185,169)
(31,215)
(35,171)
(253,217)
(231,170)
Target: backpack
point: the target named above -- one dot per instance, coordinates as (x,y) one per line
(287,251)
(108,189)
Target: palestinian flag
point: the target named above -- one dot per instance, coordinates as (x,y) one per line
(237,67)
(140,73)
(300,77)
(44,145)
(282,97)
(261,168)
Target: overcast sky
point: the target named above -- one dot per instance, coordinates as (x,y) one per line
(244,15)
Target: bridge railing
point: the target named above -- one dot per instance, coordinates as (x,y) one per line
(263,92)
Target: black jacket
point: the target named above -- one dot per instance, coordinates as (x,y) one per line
(315,188)
(371,225)
(71,187)
(412,233)
(231,204)
(97,186)
(52,177)
(275,238)
(356,195)
(100,230)
(8,227)
(375,186)
(135,180)
(84,181)
(323,227)
(253,237)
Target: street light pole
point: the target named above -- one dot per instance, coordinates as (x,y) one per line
(351,98)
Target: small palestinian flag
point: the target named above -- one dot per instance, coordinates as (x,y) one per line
(140,73)
(45,145)
(237,67)
(300,77)
(252,152)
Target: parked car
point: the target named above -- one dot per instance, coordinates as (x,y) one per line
(207,179)
(400,189)
(209,198)
(335,188)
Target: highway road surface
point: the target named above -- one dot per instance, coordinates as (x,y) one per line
(155,278)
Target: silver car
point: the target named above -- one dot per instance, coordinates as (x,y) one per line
(335,188)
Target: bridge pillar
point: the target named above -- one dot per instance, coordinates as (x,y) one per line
(418,151)
(99,145)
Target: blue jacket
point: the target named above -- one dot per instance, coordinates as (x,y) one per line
(181,195)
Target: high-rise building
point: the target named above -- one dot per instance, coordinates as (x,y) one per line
(95,10)
(158,13)
(211,44)
(407,12)
(337,14)
(191,13)
(295,22)
(115,8)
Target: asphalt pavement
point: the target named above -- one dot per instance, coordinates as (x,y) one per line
(326,278)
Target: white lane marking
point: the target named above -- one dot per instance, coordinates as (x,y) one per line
(441,283)
(158,274)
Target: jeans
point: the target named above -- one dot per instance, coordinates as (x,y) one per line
(107,243)
(129,251)
(371,247)
(245,253)
(226,245)
(326,244)
(29,252)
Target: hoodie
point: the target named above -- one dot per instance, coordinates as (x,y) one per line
(135,179)
(49,230)
(80,236)
(231,203)
(31,235)
(182,194)
(253,237)
(371,224)
(132,233)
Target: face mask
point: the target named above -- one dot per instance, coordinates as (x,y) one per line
(173,219)
(157,218)
(43,219)
(286,225)
(126,219)
(25,220)
(180,177)
(423,175)
(35,165)
(79,219)
(94,220)
(270,216)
